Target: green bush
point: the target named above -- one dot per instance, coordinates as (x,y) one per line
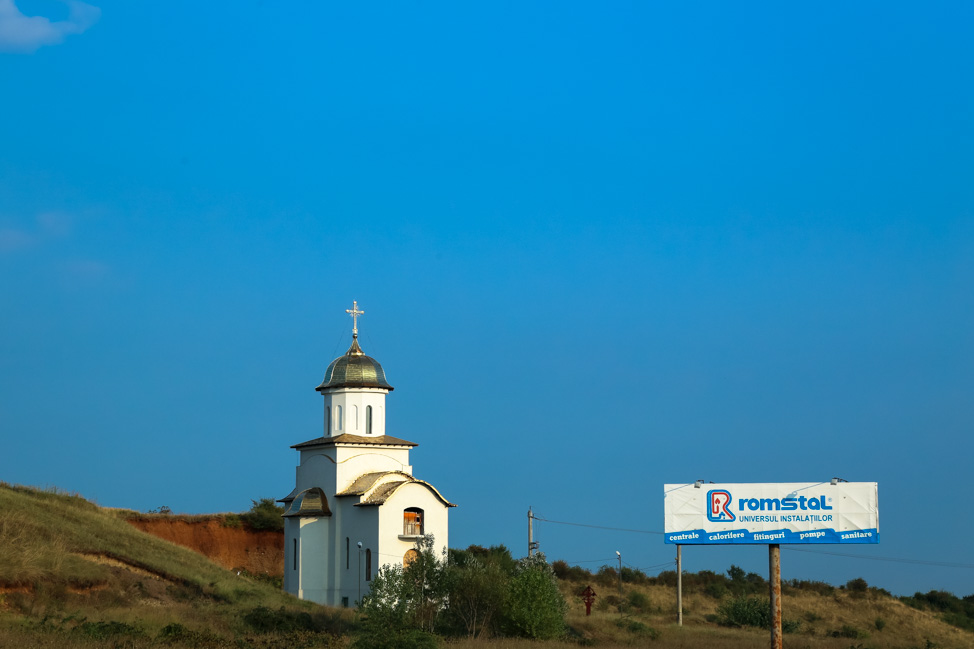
(264,515)
(374,637)
(745,611)
(637,628)
(263,619)
(232,521)
(106,630)
(848,631)
(535,608)
(639,600)
(477,594)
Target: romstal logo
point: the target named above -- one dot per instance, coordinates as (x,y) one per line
(718,501)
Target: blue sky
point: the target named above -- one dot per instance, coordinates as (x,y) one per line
(599,248)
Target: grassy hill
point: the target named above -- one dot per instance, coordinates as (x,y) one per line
(75,575)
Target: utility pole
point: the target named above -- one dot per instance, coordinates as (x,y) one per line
(679,585)
(532,546)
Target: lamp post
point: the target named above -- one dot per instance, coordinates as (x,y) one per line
(619,555)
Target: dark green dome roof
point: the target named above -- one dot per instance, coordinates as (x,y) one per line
(354,370)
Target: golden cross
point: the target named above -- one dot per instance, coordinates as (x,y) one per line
(355,313)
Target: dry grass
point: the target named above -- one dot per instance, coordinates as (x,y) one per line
(69,570)
(821,617)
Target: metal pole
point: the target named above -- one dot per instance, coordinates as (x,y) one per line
(679,585)
(620,571)
(360,573)
(530,533)
(774,558)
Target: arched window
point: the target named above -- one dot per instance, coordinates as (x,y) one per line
(409,557)
(368,420)
(412,522)
(368,565)
(294,555)
(327,420)
(355,418)
(346,553)
(338,417)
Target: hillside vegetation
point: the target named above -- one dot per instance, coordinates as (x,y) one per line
(75,575)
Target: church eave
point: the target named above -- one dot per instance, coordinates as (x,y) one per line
(355,440)
(380,497)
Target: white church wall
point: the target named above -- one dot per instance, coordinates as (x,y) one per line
(353,462)
(317,469)
(394,544)
(312,549)
(354,403)
(359,524)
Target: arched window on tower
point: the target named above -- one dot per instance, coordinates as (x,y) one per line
(338,417)
(328,420)
(412,522)
(368,565)
(368,420)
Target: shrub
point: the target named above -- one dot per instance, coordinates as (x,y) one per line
(791,626)
(232,521)
(848,631)
(637,628)
(639,600)
(745,611)
(716,589)
(880,624)
(105,630)
(264,619)
(477,593)
(535,607)
(265,514)
(571,573)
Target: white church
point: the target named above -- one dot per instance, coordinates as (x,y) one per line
(355,505)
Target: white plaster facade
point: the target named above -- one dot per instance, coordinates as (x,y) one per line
(353,485)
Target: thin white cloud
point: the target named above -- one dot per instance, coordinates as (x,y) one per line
(48,225)
(12,239)
(56,224)
(85,270)
(20,33)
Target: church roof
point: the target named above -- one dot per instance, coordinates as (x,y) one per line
(376,488)
(354,370)
(366,481)
(310,502)
(377,440)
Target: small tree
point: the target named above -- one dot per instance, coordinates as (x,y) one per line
(477,593)
(401,608)
(535,608)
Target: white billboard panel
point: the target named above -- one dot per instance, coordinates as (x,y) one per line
(795,512)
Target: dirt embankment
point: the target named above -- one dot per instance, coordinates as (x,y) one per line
(257,552)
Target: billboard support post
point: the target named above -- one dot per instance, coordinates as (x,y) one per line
(774,558)
(679,585)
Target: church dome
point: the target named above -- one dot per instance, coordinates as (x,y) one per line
(354,370)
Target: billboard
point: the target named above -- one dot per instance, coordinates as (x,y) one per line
(791,512)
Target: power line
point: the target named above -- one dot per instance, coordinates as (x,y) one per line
(922,562)
(598,527)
